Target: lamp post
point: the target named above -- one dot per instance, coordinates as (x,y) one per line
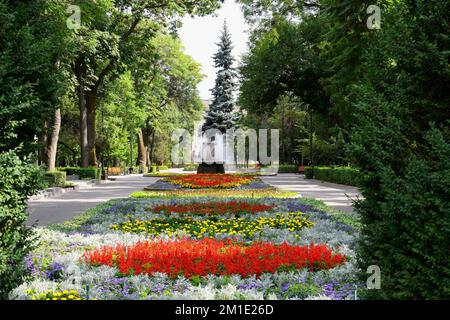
(131,153)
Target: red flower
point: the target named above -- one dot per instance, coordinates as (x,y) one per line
(211,256)
(209,208)
(200,181)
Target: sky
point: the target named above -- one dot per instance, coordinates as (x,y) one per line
(200,35)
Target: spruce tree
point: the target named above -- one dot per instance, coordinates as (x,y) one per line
(220,115)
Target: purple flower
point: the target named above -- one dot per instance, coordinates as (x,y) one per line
(248,286)
(54,271)
(285,287)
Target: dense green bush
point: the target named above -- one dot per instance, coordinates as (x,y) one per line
(287,168)
(190,167)
(83,173)
(401,145)
(309,173)
(163,168)
(56,178)
(342,175)
(18,180)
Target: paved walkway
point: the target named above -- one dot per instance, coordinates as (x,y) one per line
(335,195)
(66,206)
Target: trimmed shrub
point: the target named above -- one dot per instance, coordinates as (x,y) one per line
(287,168)
(83,173)
(19,179)
(56,178)
(163,168)
(309,173)
(342,175)
(190,167)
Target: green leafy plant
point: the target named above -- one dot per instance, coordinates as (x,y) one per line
(56,178)
(19,179)
(83,173)
(341,175)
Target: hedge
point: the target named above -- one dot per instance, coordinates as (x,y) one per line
(190,167)
(287,168)
(56,178)
(83,173)
(342,175)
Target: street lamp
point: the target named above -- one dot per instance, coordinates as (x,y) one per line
(130,170)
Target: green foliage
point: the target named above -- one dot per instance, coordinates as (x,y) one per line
(401,146)
(157,94)
(190,167)
(329,150)
(83,173)
(283,61)
(34,46)
(56,178)
(342,175)
(18,180)
(220,114)
(287,168)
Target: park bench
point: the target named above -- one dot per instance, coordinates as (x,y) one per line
(114,171)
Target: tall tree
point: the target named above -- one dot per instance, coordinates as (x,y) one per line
(104,36)
(220,114)
(32,85)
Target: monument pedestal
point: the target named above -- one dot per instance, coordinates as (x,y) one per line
(211,168)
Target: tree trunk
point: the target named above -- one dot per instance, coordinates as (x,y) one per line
(43,158)
(142,151)
(152,147)
(52,143)
(147,143)
(91,106)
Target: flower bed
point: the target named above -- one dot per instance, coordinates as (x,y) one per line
(204,181)
(58,295)
(248,228)
(209,256)
(216,193)
(213,208)
(266,226)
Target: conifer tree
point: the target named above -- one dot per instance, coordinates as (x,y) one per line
(220,115)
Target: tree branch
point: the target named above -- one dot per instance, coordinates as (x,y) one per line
(111,63)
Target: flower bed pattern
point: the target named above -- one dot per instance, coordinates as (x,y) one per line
(216,193)
(209,256)
(213,208)
(57,265)
(213,181)
(292,221)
